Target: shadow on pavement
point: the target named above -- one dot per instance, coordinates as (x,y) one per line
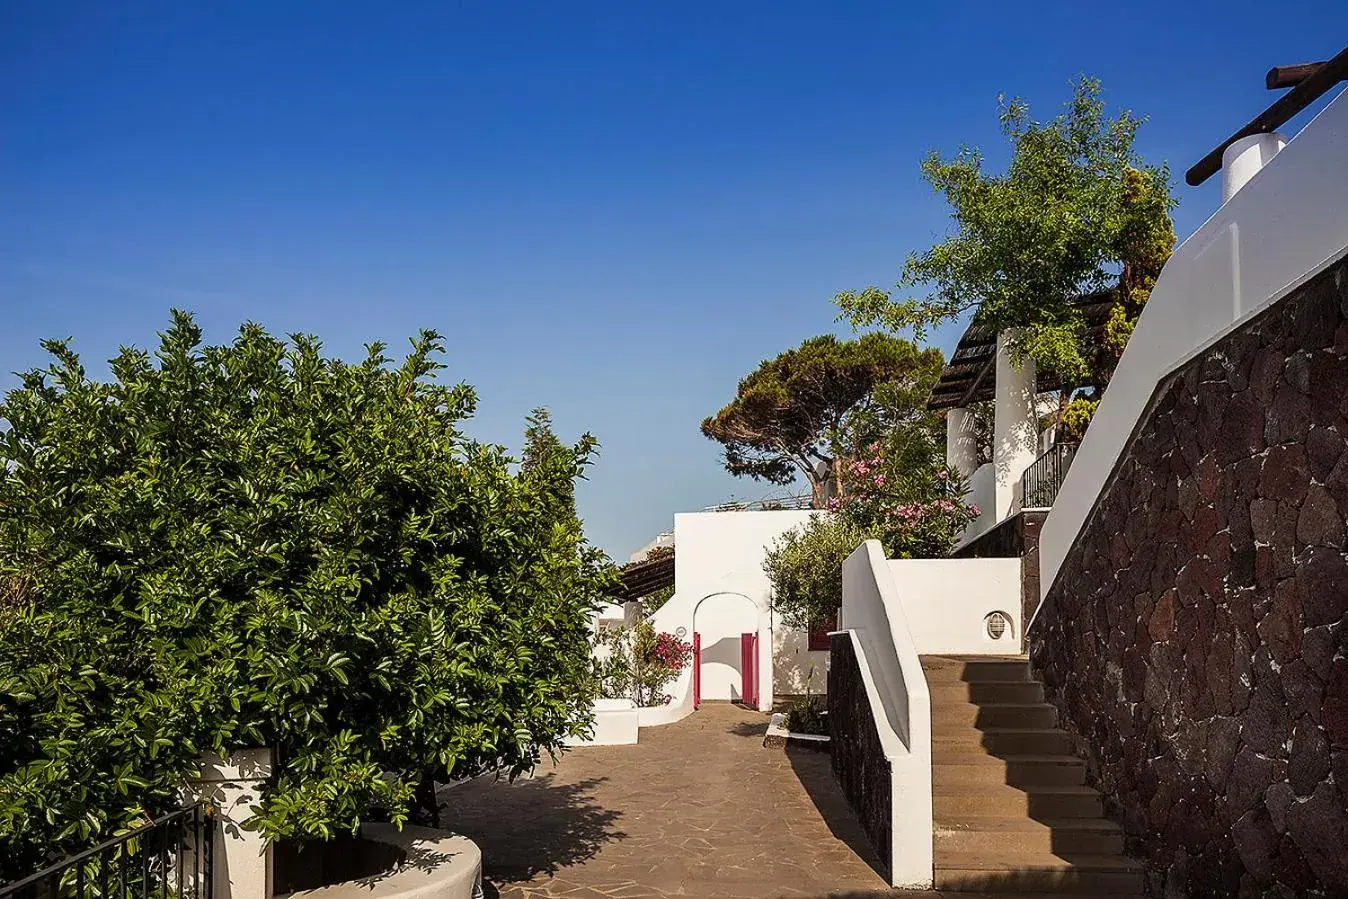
(530,827)
(815,773)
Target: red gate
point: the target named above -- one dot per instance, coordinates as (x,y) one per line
(697,670)
(749,670)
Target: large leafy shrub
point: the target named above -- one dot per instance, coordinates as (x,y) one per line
(256,545)
(804,566)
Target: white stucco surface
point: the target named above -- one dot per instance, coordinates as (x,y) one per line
(1015,428)
(233,784)
(1280,228)
(947,602)
(615,724)
(874,618)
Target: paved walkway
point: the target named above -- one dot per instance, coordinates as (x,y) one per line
(697,808)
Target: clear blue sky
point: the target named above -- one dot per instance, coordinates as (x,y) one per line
(613,210)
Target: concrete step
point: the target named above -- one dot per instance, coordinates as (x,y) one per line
(945,669)
(1016,770)
(1094,836)
(1016,872)
(986,691)
(953,803)
(1000,741)
(948,715)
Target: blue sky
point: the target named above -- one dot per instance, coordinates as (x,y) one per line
(614,210)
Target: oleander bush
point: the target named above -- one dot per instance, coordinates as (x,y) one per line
(255,544)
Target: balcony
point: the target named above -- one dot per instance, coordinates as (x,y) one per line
(1040,483)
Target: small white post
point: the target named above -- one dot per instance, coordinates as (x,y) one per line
(1015,439)
(961,441)
(1243,159)
(242,859)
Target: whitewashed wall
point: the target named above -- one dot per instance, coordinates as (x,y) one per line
(1280,228)
(720,555)
(947,602)
(896,688)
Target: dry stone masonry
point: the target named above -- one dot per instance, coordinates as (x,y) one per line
(1196,637)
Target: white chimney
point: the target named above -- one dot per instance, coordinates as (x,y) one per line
(1245,157)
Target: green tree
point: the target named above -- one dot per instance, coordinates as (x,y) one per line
(1076,211)
(800,412)
(804,566)
(253,544)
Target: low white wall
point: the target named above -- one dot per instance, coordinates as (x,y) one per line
(1279,229)
(947,602)
(615,724)
(900,704)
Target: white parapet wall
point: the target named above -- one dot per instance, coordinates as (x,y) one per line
(896,688)
(1280,228)
(895,611)
(615,724)
(950,604)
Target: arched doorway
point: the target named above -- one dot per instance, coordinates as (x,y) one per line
(721,620)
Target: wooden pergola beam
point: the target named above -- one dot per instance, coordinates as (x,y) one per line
(1312,87)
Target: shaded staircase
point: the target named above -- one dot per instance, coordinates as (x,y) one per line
(1010,807)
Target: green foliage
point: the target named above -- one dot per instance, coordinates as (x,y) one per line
(1076,211)
(800,410)
(915,503)
(256,545)
(807,716)
(804,566)
(640,662)
(1075,418)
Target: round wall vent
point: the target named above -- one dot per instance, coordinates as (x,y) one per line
(998,625)
(681,632)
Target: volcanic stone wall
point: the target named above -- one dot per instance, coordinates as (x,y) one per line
(859,762)
(1196,635)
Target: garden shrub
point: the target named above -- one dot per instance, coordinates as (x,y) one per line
(804,566)
(807,715)
(253,544)
(640,662)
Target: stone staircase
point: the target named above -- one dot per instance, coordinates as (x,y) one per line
(1010,808)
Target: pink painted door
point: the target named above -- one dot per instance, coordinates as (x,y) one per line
(749,669)
(697,670)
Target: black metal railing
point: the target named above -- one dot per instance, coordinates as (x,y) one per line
(1040,483)
(169,858)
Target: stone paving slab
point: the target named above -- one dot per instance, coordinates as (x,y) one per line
(699,808)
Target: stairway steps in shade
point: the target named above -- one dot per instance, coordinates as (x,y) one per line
(1011,809)
(1088,875)
(1094,836)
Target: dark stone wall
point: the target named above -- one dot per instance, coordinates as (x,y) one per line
(1196,637)
(859,762)
(1018,536)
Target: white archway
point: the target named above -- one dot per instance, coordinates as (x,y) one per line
(720,620)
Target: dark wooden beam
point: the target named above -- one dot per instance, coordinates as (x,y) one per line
(1279,77)
(1313,87)
(983,373)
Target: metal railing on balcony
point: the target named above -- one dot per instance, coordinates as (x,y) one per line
(168,858)
(1040,483)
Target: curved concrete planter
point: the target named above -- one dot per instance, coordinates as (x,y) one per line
(438,865)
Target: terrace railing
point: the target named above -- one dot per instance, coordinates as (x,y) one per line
(169,858)
(1040,483)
